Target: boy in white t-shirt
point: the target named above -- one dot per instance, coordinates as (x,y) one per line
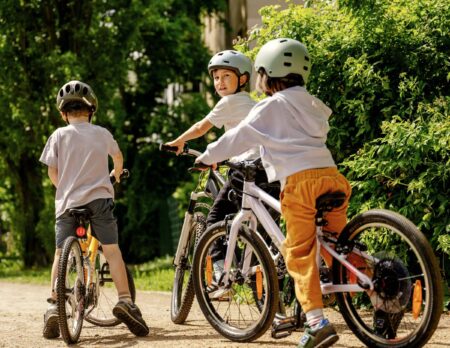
(231,71)
(77,160)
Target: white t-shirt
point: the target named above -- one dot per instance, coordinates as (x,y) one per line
(80,153)
(291,130)
(228,113)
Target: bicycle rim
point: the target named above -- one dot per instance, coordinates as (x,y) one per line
(237,314)
(70,291)
(405,306)
(106,295)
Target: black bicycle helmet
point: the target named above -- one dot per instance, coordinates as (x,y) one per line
(76,91)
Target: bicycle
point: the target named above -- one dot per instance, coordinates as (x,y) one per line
(388,298)
(194,225)
(83,275)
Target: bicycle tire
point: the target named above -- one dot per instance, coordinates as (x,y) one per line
(181,301)
(70,291)
(102,315)
(240,290)
(399,313)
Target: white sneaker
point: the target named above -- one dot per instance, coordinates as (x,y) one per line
(218,269)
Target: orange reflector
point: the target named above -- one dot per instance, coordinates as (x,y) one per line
(208,270)
(259,285)
(417,299)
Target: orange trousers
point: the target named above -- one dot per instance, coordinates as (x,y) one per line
(298,201)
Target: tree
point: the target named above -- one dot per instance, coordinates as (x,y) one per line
(128,51)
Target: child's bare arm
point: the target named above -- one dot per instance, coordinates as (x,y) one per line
(195,131)
(118,165)
(53,175)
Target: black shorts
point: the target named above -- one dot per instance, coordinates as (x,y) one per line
(103,223)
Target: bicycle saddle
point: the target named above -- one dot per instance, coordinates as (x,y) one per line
(81,213)
(329,201)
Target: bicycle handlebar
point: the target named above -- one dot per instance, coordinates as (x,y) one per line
(125,174)
(174,149)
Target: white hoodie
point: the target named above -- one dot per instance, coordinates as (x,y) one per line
(291,128)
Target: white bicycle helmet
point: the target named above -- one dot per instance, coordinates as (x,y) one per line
(232,60)
(76,91)
(281,57)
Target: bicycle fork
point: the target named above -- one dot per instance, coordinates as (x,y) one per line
(183,242)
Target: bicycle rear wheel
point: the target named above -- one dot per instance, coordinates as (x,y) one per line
(405,307)
(232,310)
(106,294)
(183,289)
(71,290)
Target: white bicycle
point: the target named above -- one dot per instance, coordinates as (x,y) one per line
(384,274)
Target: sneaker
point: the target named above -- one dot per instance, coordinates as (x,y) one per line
(386,324)
(218,269)
(322,336)
(222,295)
(130,315)
(51,325)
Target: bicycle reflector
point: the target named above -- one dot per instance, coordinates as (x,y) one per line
(208,270)
(259,289)
(417,299)
(81,231)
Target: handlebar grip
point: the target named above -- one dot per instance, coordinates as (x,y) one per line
(125,174)
(168,148)
(199,167)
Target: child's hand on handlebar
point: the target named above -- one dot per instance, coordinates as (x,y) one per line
(177,143)
(116,174)
(202,166)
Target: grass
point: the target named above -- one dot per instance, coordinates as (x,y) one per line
(156,275)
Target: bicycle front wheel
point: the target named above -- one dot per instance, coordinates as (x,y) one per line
(71,290)
(106,294)
(183,289)
(405,306)
(232,309)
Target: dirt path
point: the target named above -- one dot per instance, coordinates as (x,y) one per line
(21,320)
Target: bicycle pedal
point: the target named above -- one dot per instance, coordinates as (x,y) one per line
(283,327)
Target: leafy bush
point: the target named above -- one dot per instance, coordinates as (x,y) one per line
(408,170)
(383,68)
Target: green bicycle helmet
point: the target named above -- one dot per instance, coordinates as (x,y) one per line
(76,91)
(232,60)
(281,57)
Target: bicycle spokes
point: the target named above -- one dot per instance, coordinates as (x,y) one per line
(242,308)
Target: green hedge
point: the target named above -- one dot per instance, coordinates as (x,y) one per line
(383,67)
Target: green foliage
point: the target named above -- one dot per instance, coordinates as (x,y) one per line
(129,52)
(408,170)
(383,68)
(156,275)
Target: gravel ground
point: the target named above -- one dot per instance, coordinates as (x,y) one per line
(21,321)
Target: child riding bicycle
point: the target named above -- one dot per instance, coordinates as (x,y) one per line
(291,128)
(231,71)
(77,160)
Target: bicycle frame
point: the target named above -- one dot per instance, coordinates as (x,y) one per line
(89,247)
(253,210)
